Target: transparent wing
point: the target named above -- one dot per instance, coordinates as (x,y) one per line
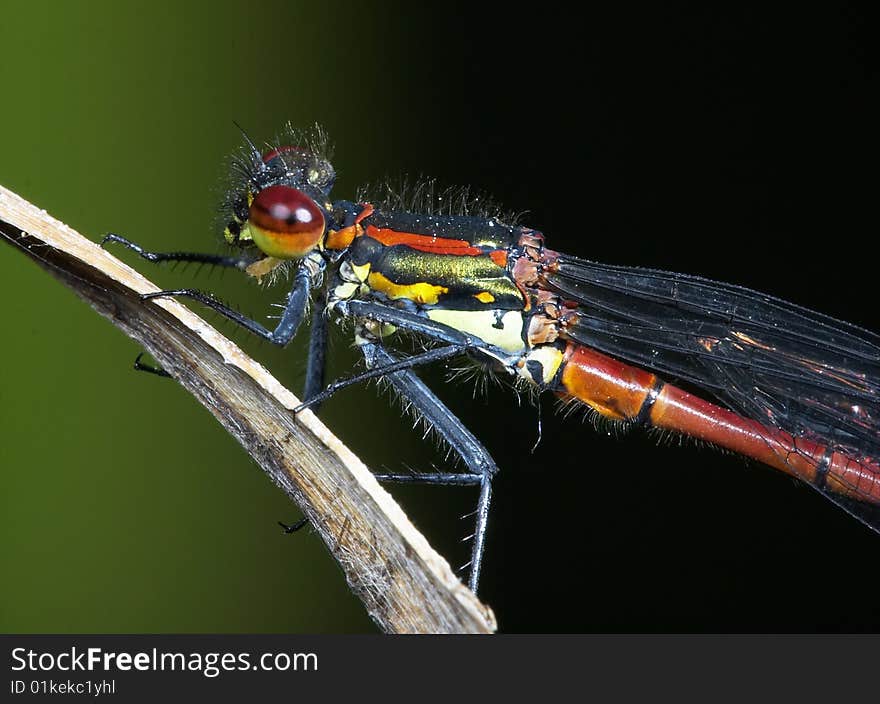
(787,367)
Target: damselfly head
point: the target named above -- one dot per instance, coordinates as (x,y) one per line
(279,198)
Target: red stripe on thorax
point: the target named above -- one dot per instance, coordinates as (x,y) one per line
(423,243)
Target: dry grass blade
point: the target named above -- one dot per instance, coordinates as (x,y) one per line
(404,584)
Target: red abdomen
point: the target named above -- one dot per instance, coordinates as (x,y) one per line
(622,392)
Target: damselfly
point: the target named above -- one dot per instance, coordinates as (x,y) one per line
(792,388)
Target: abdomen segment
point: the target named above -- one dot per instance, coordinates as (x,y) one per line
(622,392)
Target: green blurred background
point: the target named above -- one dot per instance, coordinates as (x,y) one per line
(707,143)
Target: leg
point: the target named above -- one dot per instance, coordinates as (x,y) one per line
(439,478)
(434,355)
(215,259)
(283,333)
(158,257)
(149,368)
(479,463)
(418,324)
(315,365)
(294,527)
(294,308)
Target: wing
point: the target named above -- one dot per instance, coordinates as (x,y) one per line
(769,360)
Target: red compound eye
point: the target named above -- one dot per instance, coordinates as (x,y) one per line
(285,223)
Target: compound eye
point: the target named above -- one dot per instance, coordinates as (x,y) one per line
(285,223)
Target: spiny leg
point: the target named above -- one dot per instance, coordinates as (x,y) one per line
(381,371)
(433,355)
(157,257)
(414,323)
(314,378)
(479,463)
(294,308)
(316,363)
(315,399)
(459,343)
(283,333)
(291,318)
(475,457)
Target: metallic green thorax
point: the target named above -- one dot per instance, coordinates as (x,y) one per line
(452,269)
(465,282)
(448,262)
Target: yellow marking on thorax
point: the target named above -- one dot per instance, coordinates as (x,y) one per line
(346,291)
(423,293)
(361,272)
(481,323)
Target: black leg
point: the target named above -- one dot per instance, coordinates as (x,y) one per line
(418,324)
(479,463)
(149,368)
(294,308)
(215,259)
(434,355)
(294,527)
(315,366)
(441,478)
(283,333)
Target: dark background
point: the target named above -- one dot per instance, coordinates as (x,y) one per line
(736,145)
